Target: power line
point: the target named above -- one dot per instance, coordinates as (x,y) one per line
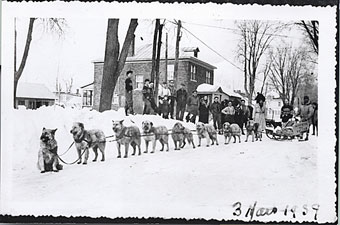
(211,48)
(238,31)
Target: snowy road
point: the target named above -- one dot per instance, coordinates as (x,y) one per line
(191,183)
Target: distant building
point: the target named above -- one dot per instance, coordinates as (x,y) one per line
(68,99)
(273,104)
(33,95)
(213,91)
(191,71)
(87,95)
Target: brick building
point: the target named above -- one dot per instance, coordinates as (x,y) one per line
(191,71)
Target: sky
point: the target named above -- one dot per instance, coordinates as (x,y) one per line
(71,55)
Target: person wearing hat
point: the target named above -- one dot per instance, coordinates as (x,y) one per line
(260,111)
(163,91)
(128,93)
(306,111)
(172,99)
(193,104)
(181,98)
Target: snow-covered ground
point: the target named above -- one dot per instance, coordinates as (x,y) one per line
(190,183)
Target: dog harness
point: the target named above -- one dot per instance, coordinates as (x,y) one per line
(84,137)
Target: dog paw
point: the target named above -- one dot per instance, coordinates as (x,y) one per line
(55,170)
(84,163)
(216,143)
(208,145)
(145,152)
(94,160)
(119,156)
(125,156)
(102,160)
(152,152)
(43,171)
(79,162)
(198,145)
(131,154)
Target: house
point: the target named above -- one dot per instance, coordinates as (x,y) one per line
(87,95)
(191,71)
(214,90)
(68,99)
(273,104)
(33,95)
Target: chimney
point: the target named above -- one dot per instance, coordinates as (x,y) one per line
(132,48)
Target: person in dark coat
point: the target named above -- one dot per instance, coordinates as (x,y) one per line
(315,118)
(238,116)
(165,107)
(245,113)
(128,93)
(193,104)
(215,109)
(306,111)
(204,110)
(259,97)
(181,98)
(147,91)
(286,112)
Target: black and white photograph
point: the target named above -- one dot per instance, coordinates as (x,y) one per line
(194,111)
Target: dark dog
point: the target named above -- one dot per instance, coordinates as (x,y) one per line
(127,136)
(258,133)
(250,130)
(206,131)
(151,133)
(47,156)
(231,130)
(85,139)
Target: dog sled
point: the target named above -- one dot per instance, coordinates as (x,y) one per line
(288,131)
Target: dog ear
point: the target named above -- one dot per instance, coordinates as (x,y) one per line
(151,123)
(121,121)
(43,129)
(53,131)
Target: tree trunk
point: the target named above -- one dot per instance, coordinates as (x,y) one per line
(159,46)
(114,61)
(178,38)
(18,73)
(154,49)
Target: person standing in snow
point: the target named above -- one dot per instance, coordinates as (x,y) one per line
(238,117)
(229,113)
(245,113)
(260,112)
(147,93)
(172,99)
(181,98)
(306,111)
(315,118)
(215,109)
(163,91)
(128,93)
(193,104)
(204,110)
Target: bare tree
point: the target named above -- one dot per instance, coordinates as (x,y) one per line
(266,72)
(68,85)
(114,60)
(256,37)
(287,70)
(279,70)
(311,30)
(55,25)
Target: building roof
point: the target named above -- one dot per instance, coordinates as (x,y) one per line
(144,53)
(87,85)
(232,93)
(34,90)
(208,88)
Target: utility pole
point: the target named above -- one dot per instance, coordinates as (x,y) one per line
(178,38)
(166,57)
(15,45)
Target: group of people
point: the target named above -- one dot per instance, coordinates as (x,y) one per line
(226,111)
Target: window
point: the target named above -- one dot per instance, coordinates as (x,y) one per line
(115,98)
(170,75)
(87,97)
(193,72)
(208,77)
(279,103)
(139,81)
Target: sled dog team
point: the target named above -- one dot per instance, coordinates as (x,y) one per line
(48,159)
